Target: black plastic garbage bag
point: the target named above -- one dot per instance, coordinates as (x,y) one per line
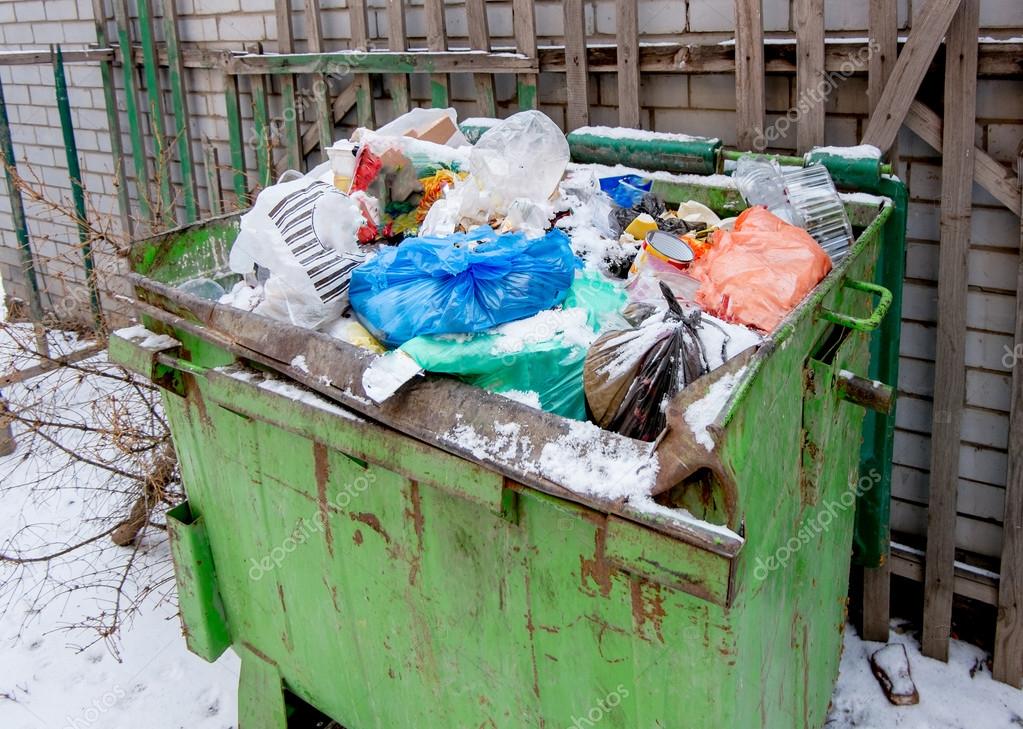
(631,375)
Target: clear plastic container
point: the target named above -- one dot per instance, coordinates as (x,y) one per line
(803,196)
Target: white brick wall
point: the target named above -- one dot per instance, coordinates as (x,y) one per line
(670,102)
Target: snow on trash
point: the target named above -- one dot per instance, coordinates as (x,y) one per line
(702,413)
(507,266)
(589,463)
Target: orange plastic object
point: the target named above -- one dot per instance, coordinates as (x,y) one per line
(758,272)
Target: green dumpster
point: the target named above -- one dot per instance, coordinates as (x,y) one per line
(437,560)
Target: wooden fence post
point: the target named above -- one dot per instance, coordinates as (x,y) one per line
(749,73)
(950,364)
(627,33)
(577,109)
(1008,658)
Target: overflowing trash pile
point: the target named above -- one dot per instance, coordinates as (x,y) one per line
(558,285)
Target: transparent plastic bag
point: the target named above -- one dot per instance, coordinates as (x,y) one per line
(306,234)
(524,156)
(801,196)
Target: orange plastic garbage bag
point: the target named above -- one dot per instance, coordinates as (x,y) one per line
(758,272)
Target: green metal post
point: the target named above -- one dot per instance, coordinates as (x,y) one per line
(830,161)
(132,107)
(180,102)
(871,540)
(77,191)
(237,143)
(151,62)
(261,130)
(106,70)
(28,268)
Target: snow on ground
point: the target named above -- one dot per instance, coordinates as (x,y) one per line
(958,695)
(55,678)
(147,678)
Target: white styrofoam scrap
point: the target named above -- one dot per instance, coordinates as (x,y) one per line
(387,373)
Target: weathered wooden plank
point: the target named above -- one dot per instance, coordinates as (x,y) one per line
(106,68)
(321,83)
(154,95)
(440,62)
(479,39)
(950,369)
(914,60)
(343,104)
(13,377)
(133,109)
(41,56)
(437,40)
(524,21)
(997,60)
(362,81)
(808,18)
(289,105)
(883,37)
(261,128)
(990,174)
(577,110)
(627,34)
(1008,653)
(972,583)
(214,189)
(397,40)
(239,180)
(749,73)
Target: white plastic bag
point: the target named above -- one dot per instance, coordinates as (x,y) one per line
(523,156)
(306,234)
(421,118)
(514,169)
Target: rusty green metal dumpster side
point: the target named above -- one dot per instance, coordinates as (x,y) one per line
(361,559)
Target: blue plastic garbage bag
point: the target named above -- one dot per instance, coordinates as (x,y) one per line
(460,283)
(626,190)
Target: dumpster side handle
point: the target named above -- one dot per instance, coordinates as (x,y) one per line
(869,323)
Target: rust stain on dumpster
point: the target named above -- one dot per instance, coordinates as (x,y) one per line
(322,471)
(415,514)
(647,608)
(373,522)
(597,569)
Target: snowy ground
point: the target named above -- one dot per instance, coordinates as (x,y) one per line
(147,678)
(54,675)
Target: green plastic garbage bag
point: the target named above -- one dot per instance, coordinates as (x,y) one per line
(538,358)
